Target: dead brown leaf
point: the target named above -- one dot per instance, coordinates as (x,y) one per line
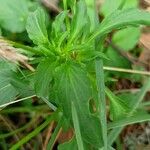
(10,53)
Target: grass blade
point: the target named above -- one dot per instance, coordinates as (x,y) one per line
(129,120)
(101,97)
(77,128)
(32,134)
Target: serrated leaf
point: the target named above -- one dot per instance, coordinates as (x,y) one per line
(67,78)
(36,27)
(72,85)
(122,18)
(118,107)
(58,25)
(127,38)
(13,14)
(43,78)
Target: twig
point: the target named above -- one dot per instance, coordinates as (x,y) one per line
(59,132)
(22,99)
(49,133)
(126,70)
(127,91)
(11,127)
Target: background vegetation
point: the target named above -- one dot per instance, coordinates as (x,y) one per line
(74,74)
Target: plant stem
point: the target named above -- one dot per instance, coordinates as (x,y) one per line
(28,48)
(19,100)
(24,109)
(51,106)
(126,70)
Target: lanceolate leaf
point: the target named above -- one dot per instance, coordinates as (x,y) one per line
(79,20)
(136,118)
(36,27)
(73,85)
(123,18)
(77,128)
(58,25)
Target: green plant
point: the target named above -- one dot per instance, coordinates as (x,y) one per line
(69,74)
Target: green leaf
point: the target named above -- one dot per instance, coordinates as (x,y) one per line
(70,145)
(137,118)
(72,85)
(91,14)
(101,98)
(118,107)
(109,6)
(58,25)
(7,91)
(125,40)
(36,27)
(115,59)
(122,18)
(67,78)
(7,94)
(13,14)
(23,86)
(88,55)
(0,31)
(77,128)
(130,4)
(135,104)
(79,19)
(43,78)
